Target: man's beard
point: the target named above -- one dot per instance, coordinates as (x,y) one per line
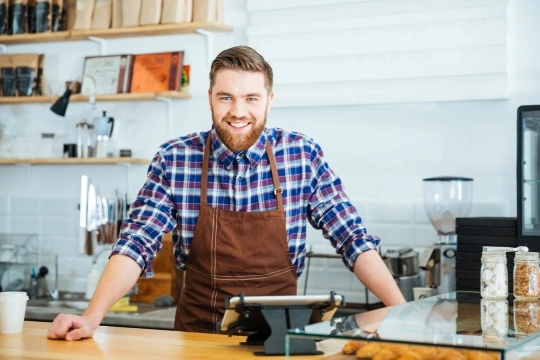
(238,142)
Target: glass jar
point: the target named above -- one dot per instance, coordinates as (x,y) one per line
(494,320)
(526,317)
(526,275)
(494,275)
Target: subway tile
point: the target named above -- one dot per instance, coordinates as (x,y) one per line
(318,280)
(58,245)
(470,27)
(4,224)
(341,279)
(390,212)
(393,235)
(20,206)
(420,214)
(24,225)
(470,54)
(494,26)
(60,226)
(59,207)
(489,209)
(425,235)
(4,206)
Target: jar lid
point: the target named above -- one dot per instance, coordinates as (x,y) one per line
(527,255)
(493,256)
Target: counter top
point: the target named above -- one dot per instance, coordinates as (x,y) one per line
(130,343)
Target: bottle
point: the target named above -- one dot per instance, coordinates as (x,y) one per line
(526,275)
(494,275)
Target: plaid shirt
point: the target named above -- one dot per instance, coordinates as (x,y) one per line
(241,181)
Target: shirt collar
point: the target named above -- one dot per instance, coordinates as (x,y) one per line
(226,157)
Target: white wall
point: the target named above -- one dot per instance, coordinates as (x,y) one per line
(382,152)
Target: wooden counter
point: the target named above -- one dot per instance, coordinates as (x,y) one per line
(132,343)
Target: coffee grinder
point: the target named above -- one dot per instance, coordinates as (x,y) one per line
(445,198)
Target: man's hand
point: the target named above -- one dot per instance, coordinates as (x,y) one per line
(70,327)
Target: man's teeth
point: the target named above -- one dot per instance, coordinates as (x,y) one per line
(238,125)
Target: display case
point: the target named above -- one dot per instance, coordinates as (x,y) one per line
(528,176)
(19,253)
(459,324)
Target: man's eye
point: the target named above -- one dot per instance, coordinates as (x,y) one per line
(226,98)
(251,99)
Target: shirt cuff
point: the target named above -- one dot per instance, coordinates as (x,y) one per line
(134,251)
(360,245)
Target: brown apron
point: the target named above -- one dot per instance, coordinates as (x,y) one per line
(233,252)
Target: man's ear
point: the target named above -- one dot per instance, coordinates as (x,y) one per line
(210,98)
(270,99)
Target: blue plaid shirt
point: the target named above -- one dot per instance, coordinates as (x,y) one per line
(241,181)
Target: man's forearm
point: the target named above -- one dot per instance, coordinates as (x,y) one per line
(119,276)
(370,269)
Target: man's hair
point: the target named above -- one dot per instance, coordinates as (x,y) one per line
(242,58)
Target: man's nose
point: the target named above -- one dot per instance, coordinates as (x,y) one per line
(238,109)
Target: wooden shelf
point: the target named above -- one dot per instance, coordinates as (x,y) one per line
(74,161)
(99,98)
(149,30)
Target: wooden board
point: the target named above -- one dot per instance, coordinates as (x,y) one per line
(167,280)
(74,161)
(151,30)
(100,98)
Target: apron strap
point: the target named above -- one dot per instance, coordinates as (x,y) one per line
(278,190)
(204,174)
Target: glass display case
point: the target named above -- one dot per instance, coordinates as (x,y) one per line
(528,176)
(454,323)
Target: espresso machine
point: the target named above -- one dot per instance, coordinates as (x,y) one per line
(445,198)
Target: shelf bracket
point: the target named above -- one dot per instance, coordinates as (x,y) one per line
(167,101)
(3,48)
(101,42)
(209,44)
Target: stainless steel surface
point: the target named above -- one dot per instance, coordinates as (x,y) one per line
(402,262)
(147,315)
(407,283)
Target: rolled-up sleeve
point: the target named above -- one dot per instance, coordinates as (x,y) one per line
(151,215)
(331,211)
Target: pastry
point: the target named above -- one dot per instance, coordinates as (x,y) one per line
(351,347)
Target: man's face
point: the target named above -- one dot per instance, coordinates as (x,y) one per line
(239,103)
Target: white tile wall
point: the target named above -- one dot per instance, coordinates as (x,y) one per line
(383,52)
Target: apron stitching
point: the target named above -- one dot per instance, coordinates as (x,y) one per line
(214,244)
(244,277)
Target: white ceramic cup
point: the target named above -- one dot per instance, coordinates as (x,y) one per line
(12,313)
(423,292)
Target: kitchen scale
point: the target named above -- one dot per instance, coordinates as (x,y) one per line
(445,198)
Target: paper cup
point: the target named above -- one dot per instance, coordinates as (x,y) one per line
(12,313)
(13,295)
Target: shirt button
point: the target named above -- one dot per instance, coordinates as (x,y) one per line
(239,178)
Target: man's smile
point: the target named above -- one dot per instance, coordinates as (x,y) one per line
(239,125)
